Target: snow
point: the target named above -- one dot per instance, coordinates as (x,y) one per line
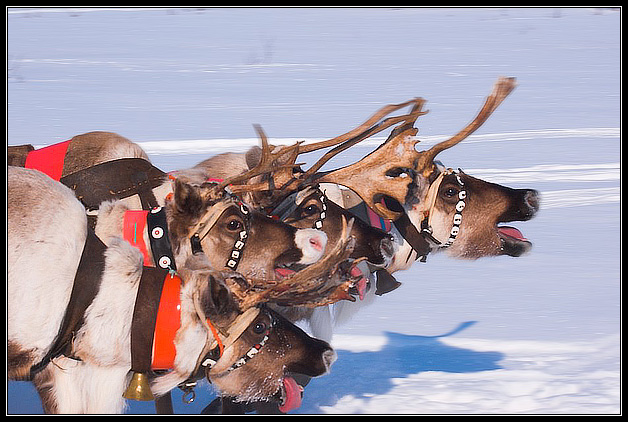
(539,334)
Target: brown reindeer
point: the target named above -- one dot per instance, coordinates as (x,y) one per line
(447,209)
(305,207)
(80,152)
(73,306)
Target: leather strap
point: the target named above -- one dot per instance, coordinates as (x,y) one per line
(85,288)
(144,318)
(115,180)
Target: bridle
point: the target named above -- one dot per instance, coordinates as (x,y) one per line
(426,226)
(215,347)
(222,342)
(291,202)
(203,228)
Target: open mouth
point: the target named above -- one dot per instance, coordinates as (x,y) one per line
(287,270)
(513,241)
(358,273)
(291,394)
(360,286)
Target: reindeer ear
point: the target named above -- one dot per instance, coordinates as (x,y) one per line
(218,301)
(187,198)
(253,156)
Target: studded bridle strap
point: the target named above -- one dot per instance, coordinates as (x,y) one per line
(426,226)
(203,228)
(290,203)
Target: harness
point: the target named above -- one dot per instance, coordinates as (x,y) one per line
(110,180)
(426,226)
(84,289)
(291,202)
(203,227)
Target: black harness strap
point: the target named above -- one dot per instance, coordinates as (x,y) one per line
(160,239)
(115,180)
(410,233)
(85,288)
(144,318)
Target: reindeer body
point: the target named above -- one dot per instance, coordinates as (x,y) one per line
(81,152)
(46,235)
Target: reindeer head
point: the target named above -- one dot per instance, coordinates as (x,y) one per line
(397,174)
(463,215)
(251,353)
(396,170)
(302,205)
(206,219)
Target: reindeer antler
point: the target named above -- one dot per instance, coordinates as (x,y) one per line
(502,88)
(282,175)
(322,283)
(377,175)
(368,124)
(270,162)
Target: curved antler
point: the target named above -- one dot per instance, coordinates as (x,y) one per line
(378,115)
(502,88)
(378,174)
(271,161)
(325,282)
(282,175)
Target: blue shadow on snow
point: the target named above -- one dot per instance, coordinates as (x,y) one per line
(369,373)
(356,373)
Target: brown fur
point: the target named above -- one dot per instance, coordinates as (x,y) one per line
(487,204)
(92,148)
(19,361)
(269,242)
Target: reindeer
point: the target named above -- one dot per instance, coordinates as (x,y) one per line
(80,152)
(77,309)
(436,208)
(303,206)
(408,188)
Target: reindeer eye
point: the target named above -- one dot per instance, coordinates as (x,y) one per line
(311,209)
(259,328)
(234,225)
(450,192)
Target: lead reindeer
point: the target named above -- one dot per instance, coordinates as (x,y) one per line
(75,309)
(447,209)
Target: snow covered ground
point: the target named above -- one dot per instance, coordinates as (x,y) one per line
(536,334)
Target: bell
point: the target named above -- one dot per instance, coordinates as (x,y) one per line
(138,388)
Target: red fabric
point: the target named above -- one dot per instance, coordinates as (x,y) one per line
(167,324)
(133,232)
(377,221)
(169,312)
(49,159)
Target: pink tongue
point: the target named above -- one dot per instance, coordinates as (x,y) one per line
(355,272)
(284,272)
(512,232)
(293,395)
